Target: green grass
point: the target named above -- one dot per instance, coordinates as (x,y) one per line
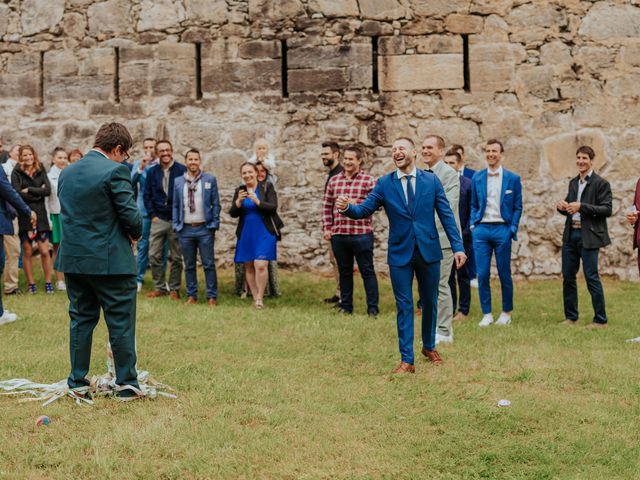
(295,391)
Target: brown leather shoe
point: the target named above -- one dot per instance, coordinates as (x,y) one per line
(433,357)
(157,294)
(404,368)
(174,295)
(597,326)
(569,322)
(212,302)
(191,300)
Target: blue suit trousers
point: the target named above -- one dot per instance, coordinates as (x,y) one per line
(487,239)
(428,276)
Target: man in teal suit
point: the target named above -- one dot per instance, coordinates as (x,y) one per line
(100,220)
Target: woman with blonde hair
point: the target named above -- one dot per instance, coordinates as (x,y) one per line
(30,180)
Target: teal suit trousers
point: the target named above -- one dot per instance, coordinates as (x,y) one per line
(116,296)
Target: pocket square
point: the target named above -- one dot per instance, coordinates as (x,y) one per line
(207,185)
(508,192)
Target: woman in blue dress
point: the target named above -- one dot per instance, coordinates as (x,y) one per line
(255,204)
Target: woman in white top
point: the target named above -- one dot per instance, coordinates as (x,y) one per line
(59,161)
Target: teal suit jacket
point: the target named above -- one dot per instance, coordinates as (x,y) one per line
(98,214)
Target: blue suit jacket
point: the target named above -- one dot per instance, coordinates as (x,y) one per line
(468,172)
(9,200)
(464,206)
(406,229)
(510,199)
(157,203)
(211,202)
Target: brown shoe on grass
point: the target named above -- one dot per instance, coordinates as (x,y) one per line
(157,294)
(192,301)
(404,368)
(432,356)
(174,295)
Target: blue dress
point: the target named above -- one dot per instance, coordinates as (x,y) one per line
(255,242)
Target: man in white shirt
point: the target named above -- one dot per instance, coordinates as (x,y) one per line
(496,208)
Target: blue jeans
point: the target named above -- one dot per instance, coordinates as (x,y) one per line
(428,276)
(345,247)
(572,253)
(194,240)
(487,239)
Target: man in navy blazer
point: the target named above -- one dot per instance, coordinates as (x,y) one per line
(196,217)
(496,208)
(10,201)
(454,160)
(410,198)
(158,200)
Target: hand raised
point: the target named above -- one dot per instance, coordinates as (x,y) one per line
(342,202)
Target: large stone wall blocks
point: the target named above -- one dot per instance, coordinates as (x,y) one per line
(560,151)
(330,56)
(335,8)
(39,15)
(112,16)
(314,80)
(421,72)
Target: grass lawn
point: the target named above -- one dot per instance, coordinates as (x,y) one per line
(295,391)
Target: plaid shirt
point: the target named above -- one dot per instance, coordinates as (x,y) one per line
(356,189)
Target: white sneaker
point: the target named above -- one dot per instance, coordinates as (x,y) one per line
(486,320)
(60,285)
(474,283)
(444,338)
(139,286)
(8,317)
(504,319)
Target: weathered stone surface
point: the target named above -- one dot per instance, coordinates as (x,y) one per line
(315,80)
(492,66)
(630,54)
(537,81)
(556,54)
(241,76)
(440,44)
(160,14)
(267,10)
(259,49)
(457,23)
(560,151)
(382,9)
(330,56)
(423,26)
(4,18)
(486,7)
(38,16)
(214,11)
(375,28)
(607,21)
(331,8)
(539,14)
(439,8)
(74,25)
(112,16)
(420,72)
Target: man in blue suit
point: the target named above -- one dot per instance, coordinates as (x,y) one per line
(410,198)
(196,217)
(467,172)
(10,201)
(496,208)
(462,284)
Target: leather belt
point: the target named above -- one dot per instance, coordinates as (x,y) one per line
(199,224)
(576,224)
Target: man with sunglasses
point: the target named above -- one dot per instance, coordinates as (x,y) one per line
(100,221)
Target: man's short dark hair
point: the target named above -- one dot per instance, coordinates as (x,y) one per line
(411,142)
(149,139)
(332,145)
(56,150)
(192,150)
(110,135)
(357,149)
(454,153)
(439,140)
(164,141)
(456,147)
(494,141)
(587,151)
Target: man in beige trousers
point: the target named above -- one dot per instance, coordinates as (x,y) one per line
(11,243)
(433,149)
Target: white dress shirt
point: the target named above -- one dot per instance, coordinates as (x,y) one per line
(494,189)
(52,201)
(581,184)
(411,176)
(198,215)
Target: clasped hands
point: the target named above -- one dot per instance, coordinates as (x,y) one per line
(570,208)
(251,194)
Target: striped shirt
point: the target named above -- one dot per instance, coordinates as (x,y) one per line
(356,188)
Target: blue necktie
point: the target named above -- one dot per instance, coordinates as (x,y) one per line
(410,194)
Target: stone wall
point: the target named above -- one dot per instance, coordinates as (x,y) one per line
(544,76)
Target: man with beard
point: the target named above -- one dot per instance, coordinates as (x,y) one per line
(330,155)
(411,197)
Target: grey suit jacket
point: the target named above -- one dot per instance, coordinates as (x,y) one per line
(451,183)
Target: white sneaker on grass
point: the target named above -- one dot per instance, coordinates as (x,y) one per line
(486,320)
(139,287)
(504,319)
(8,317)
(60,285)
(474,283)
(444,338)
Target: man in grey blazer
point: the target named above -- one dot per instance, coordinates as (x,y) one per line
(433,148)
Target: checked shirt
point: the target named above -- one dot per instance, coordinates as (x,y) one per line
(356,188)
